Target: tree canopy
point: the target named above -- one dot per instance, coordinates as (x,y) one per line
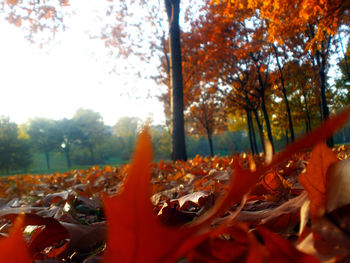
(14,151)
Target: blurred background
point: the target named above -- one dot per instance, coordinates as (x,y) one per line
(79,79)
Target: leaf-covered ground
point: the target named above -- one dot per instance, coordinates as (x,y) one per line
(292,207)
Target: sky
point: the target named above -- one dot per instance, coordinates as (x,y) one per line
(72,73)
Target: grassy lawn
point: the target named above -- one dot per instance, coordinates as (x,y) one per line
(58,163)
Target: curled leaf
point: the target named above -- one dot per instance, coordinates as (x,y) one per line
(315,178)
(338,185)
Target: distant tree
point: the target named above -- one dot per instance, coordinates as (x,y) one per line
(243,97)
(280,56)
(68,132)
(44,136)
(221,46)
(161,139)
(126,130)
(232,142)
(301,82)
(197,145)
(110,149)
(206,116)
(14,151)
(90,130)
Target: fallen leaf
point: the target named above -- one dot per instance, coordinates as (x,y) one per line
(285,217)
(281,250)
(195,198)
(135,234)
(52,233)
(330,239)
(216,249)
(338,185)
(172,216)
(83,238)
(315,178)
(13,248)
(55,198)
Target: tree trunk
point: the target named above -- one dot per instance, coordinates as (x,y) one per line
(209,132)
(249,123)
(284,91)
(321,64)
(254,137)
(307,124)
(92,155)
(251,129)
(263,107)
(176,82)
(307,114)
(268,125)
(67,151)
(251,132)
(261,133)
(322,74)
(266,117)
(308,120)
(321,60)
(287,137)
(47,157)
(211,148)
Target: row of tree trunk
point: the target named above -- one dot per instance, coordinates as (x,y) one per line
(176,86)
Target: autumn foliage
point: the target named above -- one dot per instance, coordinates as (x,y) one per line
(221,209)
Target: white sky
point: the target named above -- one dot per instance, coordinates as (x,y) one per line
(74,74)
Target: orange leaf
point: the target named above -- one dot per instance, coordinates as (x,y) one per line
(13,248)
(272,182)
(52,233)
(243,180)
(135,234)
(314,179)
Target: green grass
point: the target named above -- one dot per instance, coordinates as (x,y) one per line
(58,163)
